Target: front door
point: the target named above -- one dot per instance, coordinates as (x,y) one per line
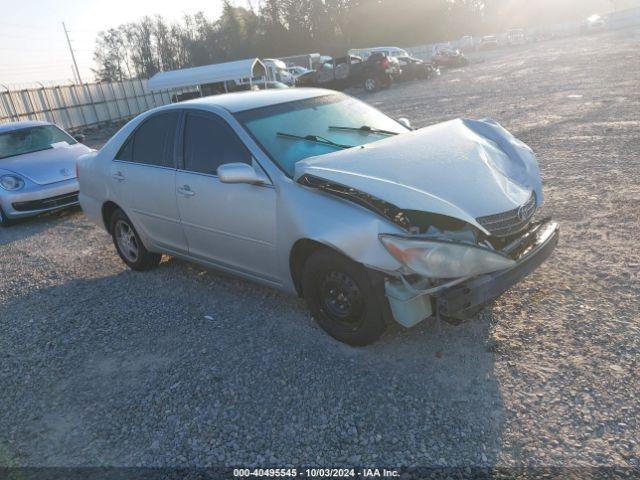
(144,172)
(231,225)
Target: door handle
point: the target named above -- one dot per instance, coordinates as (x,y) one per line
(118,176)
(186,191)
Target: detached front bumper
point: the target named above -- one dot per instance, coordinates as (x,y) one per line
(462,300)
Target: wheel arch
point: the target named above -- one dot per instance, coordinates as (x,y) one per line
(302,249)
(108,208)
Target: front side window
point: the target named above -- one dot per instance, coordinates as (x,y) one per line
(316,117)
(210,142)
(32,139)
(153,142)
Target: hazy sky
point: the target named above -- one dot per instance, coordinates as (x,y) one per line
(33,47)
(32,43)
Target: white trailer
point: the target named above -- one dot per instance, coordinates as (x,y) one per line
(209,79)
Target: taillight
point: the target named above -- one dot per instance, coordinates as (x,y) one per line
(385,62)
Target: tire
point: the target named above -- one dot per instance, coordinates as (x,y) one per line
(371,84)
(4,220)
(128,244)
(342,299)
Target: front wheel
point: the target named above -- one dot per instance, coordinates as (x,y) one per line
(342,299)
(129,246)
(4,220)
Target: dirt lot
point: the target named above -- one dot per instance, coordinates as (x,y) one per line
(100,365)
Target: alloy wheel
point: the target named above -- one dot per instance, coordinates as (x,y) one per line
(127,242)
(369,84)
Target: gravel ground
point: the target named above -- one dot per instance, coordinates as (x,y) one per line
(100,365)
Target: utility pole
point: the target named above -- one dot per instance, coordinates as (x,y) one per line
(73,57)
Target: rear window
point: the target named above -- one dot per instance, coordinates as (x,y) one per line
(153,141)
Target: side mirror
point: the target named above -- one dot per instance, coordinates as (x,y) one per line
(241,173)
(405,122)
(80,137)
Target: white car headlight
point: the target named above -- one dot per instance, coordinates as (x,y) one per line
(11,182)
(442,259)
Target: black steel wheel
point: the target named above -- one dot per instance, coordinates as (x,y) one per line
(342,299)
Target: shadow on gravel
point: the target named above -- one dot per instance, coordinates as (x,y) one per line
(183,366)
(30,226)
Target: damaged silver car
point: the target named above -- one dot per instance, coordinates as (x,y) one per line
(319,194)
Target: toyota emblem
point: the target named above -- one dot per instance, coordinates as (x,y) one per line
(523,213)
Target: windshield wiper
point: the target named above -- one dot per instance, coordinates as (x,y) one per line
(365,129)
(315,139)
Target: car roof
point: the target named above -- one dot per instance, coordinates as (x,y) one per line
(240,101)
(9,127)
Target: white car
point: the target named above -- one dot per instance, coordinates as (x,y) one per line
(37,169)
(595,23)
(317,193)
(489,42)
(297,71)
(391,52)
(277,71)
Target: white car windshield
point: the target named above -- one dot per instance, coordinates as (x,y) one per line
(31,139)
(293,131)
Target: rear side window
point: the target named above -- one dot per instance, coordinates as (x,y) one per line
(153,141)
(210,142)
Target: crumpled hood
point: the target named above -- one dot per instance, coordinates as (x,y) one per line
(462,168)
(46,166)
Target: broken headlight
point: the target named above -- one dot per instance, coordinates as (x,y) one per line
(444,259)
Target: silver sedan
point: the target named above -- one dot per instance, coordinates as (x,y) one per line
(317,193)
(37,169)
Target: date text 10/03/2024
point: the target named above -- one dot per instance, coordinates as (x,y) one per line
(316,472)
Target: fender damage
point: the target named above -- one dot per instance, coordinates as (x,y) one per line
(466,181)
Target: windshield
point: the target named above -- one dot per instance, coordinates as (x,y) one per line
(315,117)
(31,139)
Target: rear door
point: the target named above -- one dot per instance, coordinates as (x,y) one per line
(145,172)
(231,225)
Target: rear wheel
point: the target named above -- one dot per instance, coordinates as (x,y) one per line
(342,299)
(371,84)
(129,246)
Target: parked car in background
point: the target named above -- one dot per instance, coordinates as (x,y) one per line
(489,42)
(277,71)
(413,68)
(310,61)
(321,195)
(593,24)
(297,71)
(449,58)
(516,36)
(255,86)
(373,74)
(466,43)
(391,52)
(37,169)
